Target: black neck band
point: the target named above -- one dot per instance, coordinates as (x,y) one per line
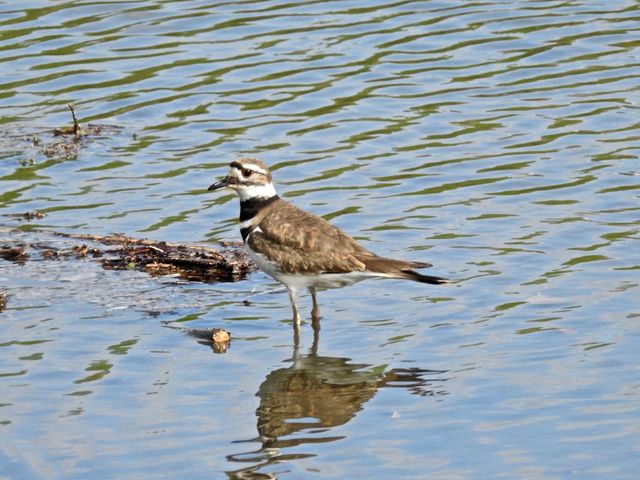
(249,208)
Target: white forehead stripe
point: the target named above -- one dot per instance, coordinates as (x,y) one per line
(254,167)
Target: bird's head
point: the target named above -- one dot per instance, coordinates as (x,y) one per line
(249,177)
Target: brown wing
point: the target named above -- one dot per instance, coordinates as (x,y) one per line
(302,242)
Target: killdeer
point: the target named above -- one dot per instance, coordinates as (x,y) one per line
(299,249)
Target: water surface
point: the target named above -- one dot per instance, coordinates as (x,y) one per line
(497,140)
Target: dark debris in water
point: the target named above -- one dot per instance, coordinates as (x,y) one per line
(73,130)
(73,137)
(65,142)
(31,215)
(191,262)
(14,254)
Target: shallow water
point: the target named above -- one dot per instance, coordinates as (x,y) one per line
(497,140)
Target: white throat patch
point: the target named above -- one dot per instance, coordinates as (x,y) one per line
(257,191)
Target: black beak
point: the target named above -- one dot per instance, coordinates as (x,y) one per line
(221,184)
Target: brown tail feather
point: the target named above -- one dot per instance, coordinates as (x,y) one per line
(420,265)
(373,263)
(418,277)
(400,269)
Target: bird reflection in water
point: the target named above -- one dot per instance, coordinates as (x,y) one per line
(301,403)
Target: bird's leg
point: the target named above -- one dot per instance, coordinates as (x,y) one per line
(315,311)
(296,316)
(296,337)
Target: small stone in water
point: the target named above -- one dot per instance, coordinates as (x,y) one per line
(220,335)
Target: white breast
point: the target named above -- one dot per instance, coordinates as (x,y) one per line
(264,264)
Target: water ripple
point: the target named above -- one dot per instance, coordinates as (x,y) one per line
(497,140)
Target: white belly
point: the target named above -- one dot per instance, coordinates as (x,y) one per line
(264,264)
(322,280)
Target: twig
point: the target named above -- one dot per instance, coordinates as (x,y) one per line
(76,125)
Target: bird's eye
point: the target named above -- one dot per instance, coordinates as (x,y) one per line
(246,173)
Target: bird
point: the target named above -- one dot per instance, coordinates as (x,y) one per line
(299,249)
